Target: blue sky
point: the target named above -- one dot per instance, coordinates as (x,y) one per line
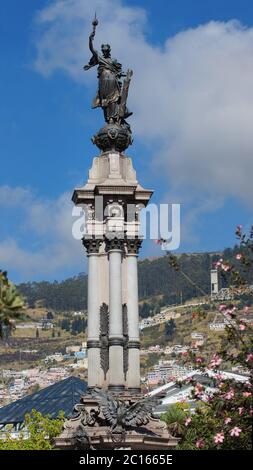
(193,68)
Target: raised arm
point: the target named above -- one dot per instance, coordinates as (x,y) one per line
(94,59)
(91,39)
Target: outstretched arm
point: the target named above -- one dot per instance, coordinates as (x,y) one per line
(94,58)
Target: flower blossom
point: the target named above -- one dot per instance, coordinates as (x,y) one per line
(242,327)
(239,256)
(225,267)
(198,388)
(187,421)
(246,394)
(240,410)
(199,359)
(227,420)
(219,438)
(200,443)
(249,358)
(216,361)
(235,431)
(230,394)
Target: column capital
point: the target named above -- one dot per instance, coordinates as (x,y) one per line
(92,245)
(114,244)
(133,246)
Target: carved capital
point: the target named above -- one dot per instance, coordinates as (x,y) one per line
(133,246)
(114,244)
(92,245)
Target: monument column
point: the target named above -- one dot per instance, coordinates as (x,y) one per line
(93,343)
(133,374)
(116,374)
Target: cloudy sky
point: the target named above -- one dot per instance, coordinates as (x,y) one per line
(192,98)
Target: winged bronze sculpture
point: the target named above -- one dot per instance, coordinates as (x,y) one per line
(123,414)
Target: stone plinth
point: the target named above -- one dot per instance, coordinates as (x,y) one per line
(89,430)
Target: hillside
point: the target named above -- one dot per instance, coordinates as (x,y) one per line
(158,283)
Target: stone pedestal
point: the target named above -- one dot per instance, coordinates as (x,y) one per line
(90,430)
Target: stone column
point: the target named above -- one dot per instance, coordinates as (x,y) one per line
(133,374)
(93,344)
(116,374)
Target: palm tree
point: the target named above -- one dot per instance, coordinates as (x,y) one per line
(11,304)
(175,418)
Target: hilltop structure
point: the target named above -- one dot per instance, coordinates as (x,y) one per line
(113,414)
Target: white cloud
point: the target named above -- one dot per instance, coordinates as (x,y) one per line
(192,98)
(43,244)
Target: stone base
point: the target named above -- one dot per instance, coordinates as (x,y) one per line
(89,431)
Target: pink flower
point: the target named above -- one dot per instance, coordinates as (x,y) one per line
(235,432)
(225,267)
(246,394)
(184,353)
(219,438)
(230,394)
(218,376)
(200,443)
(198,389)
(216,361)
(227,420)
(246,309)
(242,327)
(222,307)
(239,256)
(199,359)
(240,410)
(249,358)
(187,421)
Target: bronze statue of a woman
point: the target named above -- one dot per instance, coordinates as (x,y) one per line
(111,95)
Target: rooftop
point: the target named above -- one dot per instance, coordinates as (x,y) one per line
(61,396)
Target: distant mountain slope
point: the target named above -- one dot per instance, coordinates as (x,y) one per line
(156,278)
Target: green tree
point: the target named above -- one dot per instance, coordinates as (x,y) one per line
(170,328)
(11,304)
(65,324)
(41,431)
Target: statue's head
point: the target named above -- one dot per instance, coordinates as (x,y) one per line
(106,50)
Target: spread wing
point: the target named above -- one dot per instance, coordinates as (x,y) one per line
(107,404)
(139,413)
